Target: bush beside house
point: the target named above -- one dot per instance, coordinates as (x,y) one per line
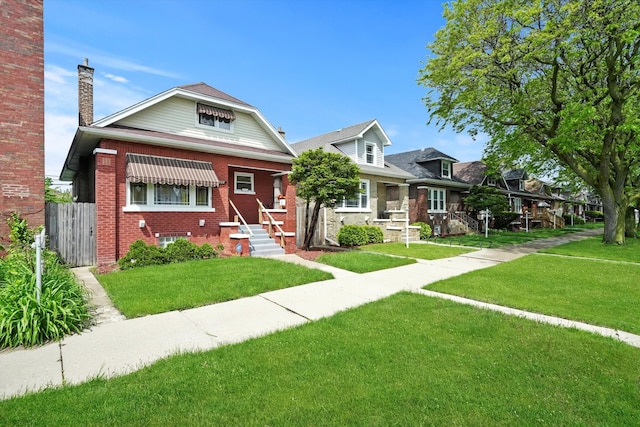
(62,308)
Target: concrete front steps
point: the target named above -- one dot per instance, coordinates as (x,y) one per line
(260,244)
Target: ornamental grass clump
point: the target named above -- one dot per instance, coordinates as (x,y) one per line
(62,308)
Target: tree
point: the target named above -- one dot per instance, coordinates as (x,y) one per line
(52,195)
(554,84)
(482,198)
(324,179)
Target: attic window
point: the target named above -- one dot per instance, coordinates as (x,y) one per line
(446,169)
(521,184)
(215,117)
(491,182)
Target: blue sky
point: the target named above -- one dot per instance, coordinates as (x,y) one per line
(310,66)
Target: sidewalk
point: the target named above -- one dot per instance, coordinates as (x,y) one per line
(117,346)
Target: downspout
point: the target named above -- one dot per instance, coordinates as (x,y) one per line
(325,229)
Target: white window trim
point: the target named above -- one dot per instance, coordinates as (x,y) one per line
(151,207)
(521,184)
(448,176)
(444,200)
(515,205)
(366,209)
(491,182)
(373,153)
(235,181)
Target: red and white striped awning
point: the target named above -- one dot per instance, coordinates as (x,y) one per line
(168,170)
(216,112)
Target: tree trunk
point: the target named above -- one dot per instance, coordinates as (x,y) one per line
(614,218)
(631,228)
(311,230)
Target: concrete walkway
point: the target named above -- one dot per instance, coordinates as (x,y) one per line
(116,346)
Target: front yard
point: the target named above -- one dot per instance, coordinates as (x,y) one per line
(405,360)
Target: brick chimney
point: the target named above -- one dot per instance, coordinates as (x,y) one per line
(85,94)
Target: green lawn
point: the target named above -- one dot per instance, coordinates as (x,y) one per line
(416,250)
(499,238)
(362,262)
(594,248)
(405,360)
(157,289)
(592,291)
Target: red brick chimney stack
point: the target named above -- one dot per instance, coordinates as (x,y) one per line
(85,94)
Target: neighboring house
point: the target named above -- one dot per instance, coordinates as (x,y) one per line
(532,202)
(174,165)
(21,113)
(384,196)
(435,193)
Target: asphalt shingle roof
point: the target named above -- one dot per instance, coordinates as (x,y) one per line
(204,89)
(412,162)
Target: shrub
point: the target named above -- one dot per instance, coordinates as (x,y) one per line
(182,250)
(352,235)
(576,219)
(62,309)
(503,219)
(594,215)
(425,230)
(141,254)
(374,234)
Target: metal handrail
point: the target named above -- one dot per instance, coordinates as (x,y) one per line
(272,222)
(241,218)
(466,219)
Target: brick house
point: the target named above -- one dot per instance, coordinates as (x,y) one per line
(384,196)
(175,165)
(21,112)
(435,194)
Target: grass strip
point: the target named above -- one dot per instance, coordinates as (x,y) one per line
(499,238)
(594,248)
(362,262)
(591,291)
(405,360)
(158,289)
(416,250)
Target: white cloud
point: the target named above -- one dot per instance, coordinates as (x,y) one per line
(108,60)
(118,79)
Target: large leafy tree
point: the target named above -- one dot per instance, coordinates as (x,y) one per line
(324,179)
(554,83)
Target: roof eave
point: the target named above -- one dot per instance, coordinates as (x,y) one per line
(89,137)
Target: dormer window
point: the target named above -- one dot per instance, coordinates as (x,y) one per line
(446,169)
(521,184)
(370,153)
(215,117)
(491,182)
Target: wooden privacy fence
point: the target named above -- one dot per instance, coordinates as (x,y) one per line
(71,228)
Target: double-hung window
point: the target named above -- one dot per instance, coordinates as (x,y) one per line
(361,202)
(370,153)
(446,169)
(437,200)
(517,204)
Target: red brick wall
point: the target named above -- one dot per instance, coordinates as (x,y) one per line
(21,112)
(106,211)
(127,224)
